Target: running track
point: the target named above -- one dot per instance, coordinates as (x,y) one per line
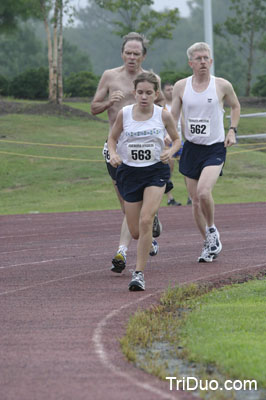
(62,310)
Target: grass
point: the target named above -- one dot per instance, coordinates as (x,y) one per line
(86,107)
(230,326)
(64,172)
(67,172)
(209,334)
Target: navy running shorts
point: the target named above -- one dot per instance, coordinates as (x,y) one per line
(131,181)
(111,170)
(195,157)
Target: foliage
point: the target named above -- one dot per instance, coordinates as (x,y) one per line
(4,84)
(247,23)
(259,89)
(25,49)
(81,84)
(173,76)
(74,59)
(31,84)
(21,50)
(152,23)
(12,10)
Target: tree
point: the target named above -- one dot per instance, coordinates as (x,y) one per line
(12,10)
(247,22)
(21,50)
(152,23)
(55,44)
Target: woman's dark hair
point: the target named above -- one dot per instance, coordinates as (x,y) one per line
(147,77)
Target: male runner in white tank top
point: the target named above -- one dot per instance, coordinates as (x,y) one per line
(201,98)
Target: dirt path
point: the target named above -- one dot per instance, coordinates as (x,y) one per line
(62,310)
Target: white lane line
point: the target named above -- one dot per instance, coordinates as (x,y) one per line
(102,354)
(37,262)
(48,282)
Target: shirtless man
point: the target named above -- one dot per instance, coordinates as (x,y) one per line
(115,90)
(201,98)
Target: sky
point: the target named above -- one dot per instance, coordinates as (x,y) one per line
(159,5)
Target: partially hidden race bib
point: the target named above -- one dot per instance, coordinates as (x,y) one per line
(141,152)
(199,127)
(105,153)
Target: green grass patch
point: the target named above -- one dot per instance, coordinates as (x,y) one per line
(87,108)
(53,164)
(204,333)
(226,328)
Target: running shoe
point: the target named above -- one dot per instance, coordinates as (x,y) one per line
(169,186)
(172,202)
(157,227)
(137,282)
(154,248)
(205,253)
(214,243)
(119,261)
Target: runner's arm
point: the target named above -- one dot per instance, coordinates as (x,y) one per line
(176,100)
(170,126)
(100,102)
(231,100)
(113,137)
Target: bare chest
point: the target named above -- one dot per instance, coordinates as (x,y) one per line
(125,85)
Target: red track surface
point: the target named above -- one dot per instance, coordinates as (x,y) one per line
(62,310)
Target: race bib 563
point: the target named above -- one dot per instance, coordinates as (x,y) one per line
(141,152)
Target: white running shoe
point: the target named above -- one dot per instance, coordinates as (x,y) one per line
(137,282)
(213,240)
(154,248)
(205,253)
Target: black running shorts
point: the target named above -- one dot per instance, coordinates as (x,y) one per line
(195,157)
(131,181)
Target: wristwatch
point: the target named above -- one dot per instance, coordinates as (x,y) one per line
(234,129)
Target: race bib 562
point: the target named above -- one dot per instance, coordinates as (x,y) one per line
(199,127)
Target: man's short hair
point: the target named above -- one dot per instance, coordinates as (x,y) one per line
(199,46)
(136,36)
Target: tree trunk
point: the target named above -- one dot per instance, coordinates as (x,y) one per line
(55,53)
(60,55)
(50,51)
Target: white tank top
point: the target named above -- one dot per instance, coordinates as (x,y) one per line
(203,114)
(141,142)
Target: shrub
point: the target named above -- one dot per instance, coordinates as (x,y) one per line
(4,84)
(259,89)
(31,84)
(81,84)
(173,76)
